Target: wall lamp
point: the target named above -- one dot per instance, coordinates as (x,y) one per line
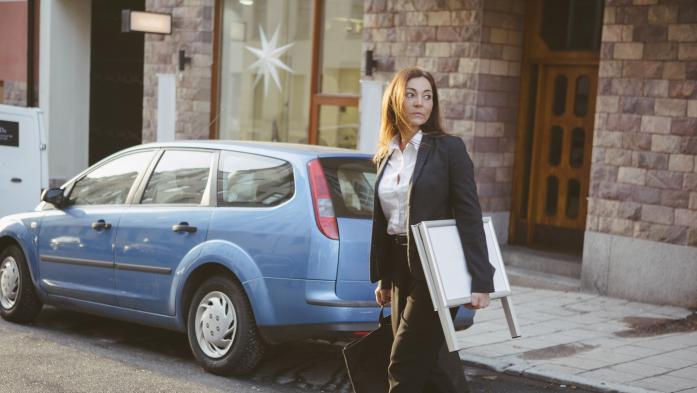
(146,22)
(370,62)
(183,59)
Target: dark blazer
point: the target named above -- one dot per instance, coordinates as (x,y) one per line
(442,187)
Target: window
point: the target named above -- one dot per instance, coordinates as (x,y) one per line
(290,71)
(180,177)
(252,180)
(572,24)
(351,183)
(110,183)
(265,68)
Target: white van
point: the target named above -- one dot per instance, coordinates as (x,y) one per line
(23,159)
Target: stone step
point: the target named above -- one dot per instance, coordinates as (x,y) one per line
(538,280)
(541,261)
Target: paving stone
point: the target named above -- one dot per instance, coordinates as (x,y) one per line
(636,351)
(539,343)
(684,355)
(577,363)
(582,334)
(668,343)
(640,369)
(687,373)
(666,361)
(610,375)
(501,349)
(607,356)
(555,369)
(666,383)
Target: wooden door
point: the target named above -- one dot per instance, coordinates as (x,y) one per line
(563,140)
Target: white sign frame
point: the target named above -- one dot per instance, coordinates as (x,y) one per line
(449,284)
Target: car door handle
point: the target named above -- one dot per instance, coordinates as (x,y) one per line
(101,225)
(16,180)
(183,227)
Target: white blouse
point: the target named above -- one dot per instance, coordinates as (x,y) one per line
(393,189)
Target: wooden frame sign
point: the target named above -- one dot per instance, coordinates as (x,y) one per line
(448,280)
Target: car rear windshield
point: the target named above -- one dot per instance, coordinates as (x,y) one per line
(351,182)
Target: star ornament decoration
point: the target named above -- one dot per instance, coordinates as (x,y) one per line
(268,62)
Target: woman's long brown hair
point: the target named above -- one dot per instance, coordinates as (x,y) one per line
(394,119)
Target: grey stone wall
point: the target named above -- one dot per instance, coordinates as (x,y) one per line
(644,170)
(474,50)
(192,30)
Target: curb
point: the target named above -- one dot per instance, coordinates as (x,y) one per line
(518,367)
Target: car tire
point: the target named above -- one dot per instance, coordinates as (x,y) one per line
(18,300)
(218,306)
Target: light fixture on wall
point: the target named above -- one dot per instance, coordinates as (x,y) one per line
(146,22)
(183,59)
(247,2)
(370,62)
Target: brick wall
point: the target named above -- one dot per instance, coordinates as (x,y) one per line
(644,171)
(473,48)
(192,30)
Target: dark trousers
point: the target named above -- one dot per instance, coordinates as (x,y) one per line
(419,361)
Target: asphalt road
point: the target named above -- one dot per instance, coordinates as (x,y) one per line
(70,352)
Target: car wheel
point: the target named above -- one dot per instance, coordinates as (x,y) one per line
(221,328)
(18,300)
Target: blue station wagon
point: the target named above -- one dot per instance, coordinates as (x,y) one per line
(238,244)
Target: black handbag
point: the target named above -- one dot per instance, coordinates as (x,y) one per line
(367,358)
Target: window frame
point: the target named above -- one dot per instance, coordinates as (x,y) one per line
(208,199)
(287,201)
(69,187)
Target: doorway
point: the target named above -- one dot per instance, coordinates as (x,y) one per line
(555,124)
(116,80)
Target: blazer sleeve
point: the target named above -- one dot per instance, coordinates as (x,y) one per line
(468,216)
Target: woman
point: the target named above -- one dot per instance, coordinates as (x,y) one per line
(423,174)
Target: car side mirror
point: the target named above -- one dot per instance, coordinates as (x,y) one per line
(54,196)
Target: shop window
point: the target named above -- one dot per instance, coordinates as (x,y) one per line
(265,70)
(283,80)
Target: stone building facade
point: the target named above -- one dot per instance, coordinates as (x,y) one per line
(192,31)
(474,50)
(642,219)
(634,213)
(641,223)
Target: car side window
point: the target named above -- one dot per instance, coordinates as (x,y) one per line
(110,183)
(253,181)
(180,177)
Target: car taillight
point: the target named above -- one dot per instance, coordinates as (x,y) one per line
(322,201)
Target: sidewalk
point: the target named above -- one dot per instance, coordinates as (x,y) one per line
(586,340)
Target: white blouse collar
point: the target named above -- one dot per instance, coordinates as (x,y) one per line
(415,141)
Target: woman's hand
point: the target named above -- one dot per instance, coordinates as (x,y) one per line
(479,300)
(383,295)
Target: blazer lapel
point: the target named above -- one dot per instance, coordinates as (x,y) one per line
(421,156)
